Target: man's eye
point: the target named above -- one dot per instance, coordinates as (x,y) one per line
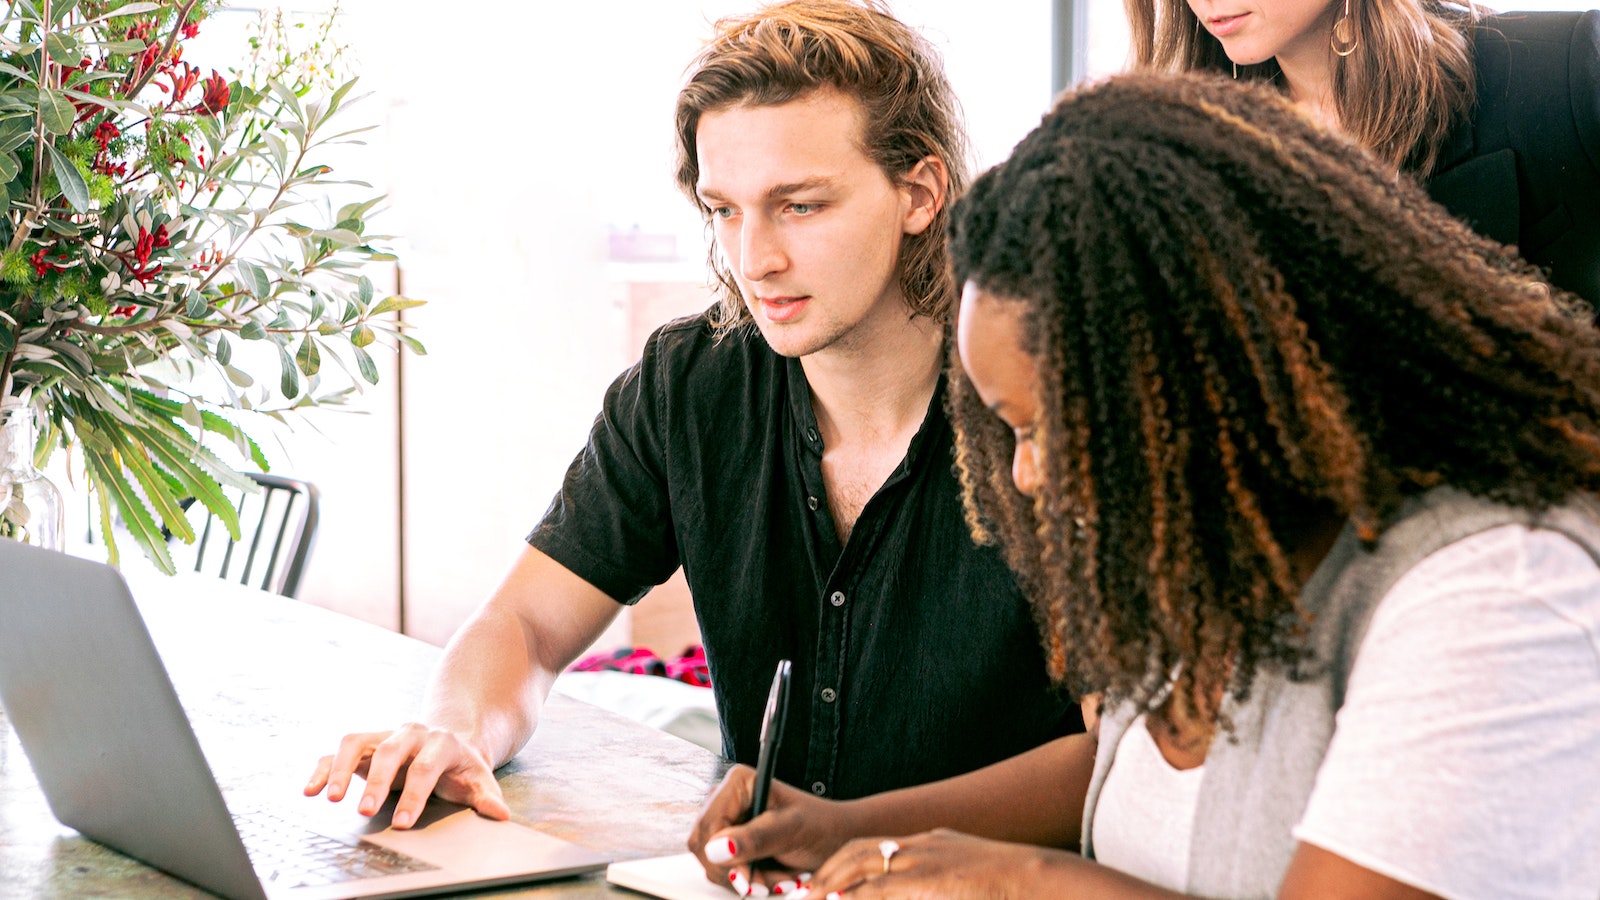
(802,209)
(722,212)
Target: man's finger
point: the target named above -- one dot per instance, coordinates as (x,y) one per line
(319,776)
(353,751)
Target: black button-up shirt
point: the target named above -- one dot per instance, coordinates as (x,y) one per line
(915,656)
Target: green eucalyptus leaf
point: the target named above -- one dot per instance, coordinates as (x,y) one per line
(196,306)
(73,187)
(63,48)
(63,227)
(356,210)
(328,329)
(280,321)
(14,133)
(239,377)
(55,111)
(412,344)
(9,166)
(252,331)
(369,369)
(389,304)
(308,358)
(289,381)
(123,48)
(224,350)
(364,291)
(255,279)
(362,335)
(59,11)
(129,9)
(21,100)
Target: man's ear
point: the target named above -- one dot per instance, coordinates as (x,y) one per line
(924,188)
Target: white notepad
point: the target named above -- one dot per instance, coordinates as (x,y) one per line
(677,877)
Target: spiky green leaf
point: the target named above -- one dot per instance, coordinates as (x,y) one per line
(108,477)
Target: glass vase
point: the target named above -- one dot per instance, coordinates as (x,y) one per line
(31,509)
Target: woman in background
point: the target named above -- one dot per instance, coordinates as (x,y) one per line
(1299,472)
(1498,116)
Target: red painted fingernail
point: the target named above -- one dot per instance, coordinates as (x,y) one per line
(720,850)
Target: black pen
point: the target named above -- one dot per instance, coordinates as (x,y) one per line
(771,738)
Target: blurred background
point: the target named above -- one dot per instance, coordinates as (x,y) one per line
(526,151)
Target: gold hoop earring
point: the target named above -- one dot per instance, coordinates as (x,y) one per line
(1344,41)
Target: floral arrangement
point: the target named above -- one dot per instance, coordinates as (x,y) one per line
(156,218)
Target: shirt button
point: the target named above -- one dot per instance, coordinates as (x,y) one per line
(818,788)
(837,599)
(828,695)
(811,434)
(812,502)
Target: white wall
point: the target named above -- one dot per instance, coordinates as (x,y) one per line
(514,137)
(510,147)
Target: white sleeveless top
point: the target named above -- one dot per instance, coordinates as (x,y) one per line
(1145,818)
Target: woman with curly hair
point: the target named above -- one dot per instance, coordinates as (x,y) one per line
(1299,472)
(1497,115)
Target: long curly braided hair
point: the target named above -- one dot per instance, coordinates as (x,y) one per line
(1241,324)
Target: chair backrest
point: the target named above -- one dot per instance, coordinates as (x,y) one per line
(277,528)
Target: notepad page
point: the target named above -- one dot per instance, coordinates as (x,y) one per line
(678,877)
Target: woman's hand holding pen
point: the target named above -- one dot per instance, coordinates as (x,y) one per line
(798,830)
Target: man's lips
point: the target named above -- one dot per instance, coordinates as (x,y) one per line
(1225,25)
(782,309)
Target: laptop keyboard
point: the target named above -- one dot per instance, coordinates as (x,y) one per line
(292,855)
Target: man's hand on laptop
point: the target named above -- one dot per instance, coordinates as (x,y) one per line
(417,761)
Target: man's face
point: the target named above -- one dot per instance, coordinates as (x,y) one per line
(808,225)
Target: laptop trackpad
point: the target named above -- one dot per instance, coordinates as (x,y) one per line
(461,847)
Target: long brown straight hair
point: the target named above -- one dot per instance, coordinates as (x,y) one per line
(1408,82)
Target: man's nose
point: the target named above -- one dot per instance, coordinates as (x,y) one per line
(760,250)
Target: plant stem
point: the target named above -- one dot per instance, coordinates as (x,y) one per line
(25,227)
(166,49)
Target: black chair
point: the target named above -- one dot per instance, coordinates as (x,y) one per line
(277,528)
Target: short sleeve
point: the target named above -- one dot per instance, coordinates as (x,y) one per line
(611,523)
(1466,759)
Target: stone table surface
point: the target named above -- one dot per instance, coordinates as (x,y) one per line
(270,685)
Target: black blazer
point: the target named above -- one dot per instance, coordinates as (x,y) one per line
(1525,168)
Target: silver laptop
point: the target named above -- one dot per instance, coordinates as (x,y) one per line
(92,705)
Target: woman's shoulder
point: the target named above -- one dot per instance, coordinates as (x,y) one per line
(1537,26)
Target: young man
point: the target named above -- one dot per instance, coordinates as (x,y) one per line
(788,448)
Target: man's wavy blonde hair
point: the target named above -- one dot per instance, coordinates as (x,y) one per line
(787,50)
